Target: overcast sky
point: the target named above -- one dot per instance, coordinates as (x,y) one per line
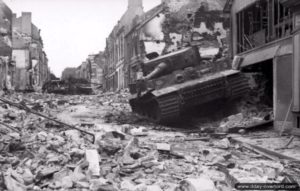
(72,29)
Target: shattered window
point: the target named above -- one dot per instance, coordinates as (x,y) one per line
(261,23)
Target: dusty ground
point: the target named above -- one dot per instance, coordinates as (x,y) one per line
(129,152)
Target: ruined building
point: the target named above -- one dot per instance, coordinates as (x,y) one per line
(97,62)
(100,61)
(68,73)
(137,44)
(91,70)
(165,28)
(84,71)
(6,66)
(172,25)
(115,72)
(31,61)
(265,45)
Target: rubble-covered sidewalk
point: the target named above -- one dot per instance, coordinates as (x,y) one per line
(128,152)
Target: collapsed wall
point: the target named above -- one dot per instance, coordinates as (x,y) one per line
(184,21)
(6,66)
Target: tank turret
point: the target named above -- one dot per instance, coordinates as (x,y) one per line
(175,82)
(186,57)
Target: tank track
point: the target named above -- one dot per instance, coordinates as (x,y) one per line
(167,108)
(238,85)
(162,109)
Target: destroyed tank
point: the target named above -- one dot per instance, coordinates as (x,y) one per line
(70,86)
(173,83)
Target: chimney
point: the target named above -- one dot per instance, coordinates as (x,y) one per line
(135,4)
(14,16)
(14,19)
(166,2)
(26,23)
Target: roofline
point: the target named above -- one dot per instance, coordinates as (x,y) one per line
(140,25)
(151,17)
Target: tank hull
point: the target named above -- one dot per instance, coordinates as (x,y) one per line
(168,104)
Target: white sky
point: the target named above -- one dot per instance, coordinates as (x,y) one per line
(72,29)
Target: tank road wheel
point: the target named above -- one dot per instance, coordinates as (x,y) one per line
(146,106)
(152,110)
(163,109)
(169,108)
(135,105)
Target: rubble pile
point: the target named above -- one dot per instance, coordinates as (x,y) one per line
(120,109)
(251,113)
(38,154)
(255,109)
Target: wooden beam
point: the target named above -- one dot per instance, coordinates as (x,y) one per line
(261,18)
(290,3)
(239,33)
(265,152)
(243,30)
(271,20)
(278,19)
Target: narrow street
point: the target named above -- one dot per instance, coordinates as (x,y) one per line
(150,95)
(129,152)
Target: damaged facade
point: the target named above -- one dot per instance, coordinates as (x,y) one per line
(171,26)
(31,61)
(6,66)
(90,70)
(68,73)
(115,75)
(265,45)
(84,71)
(97,63)
(136,40)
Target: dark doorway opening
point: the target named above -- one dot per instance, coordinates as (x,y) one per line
(261,83)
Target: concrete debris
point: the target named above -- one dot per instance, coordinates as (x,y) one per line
(154,188)
(27,176)
(243,176)
(12,184)
(163,147)
(74,135)
(127,185)
(222,144)
(109,143)
(252,114)
(92,158)
(196,184)
(141,131)
(129,153)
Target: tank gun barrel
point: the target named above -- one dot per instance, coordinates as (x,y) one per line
(170,62)
(157,71)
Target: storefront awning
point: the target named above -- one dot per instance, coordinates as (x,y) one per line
(259,56)
(267,52)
